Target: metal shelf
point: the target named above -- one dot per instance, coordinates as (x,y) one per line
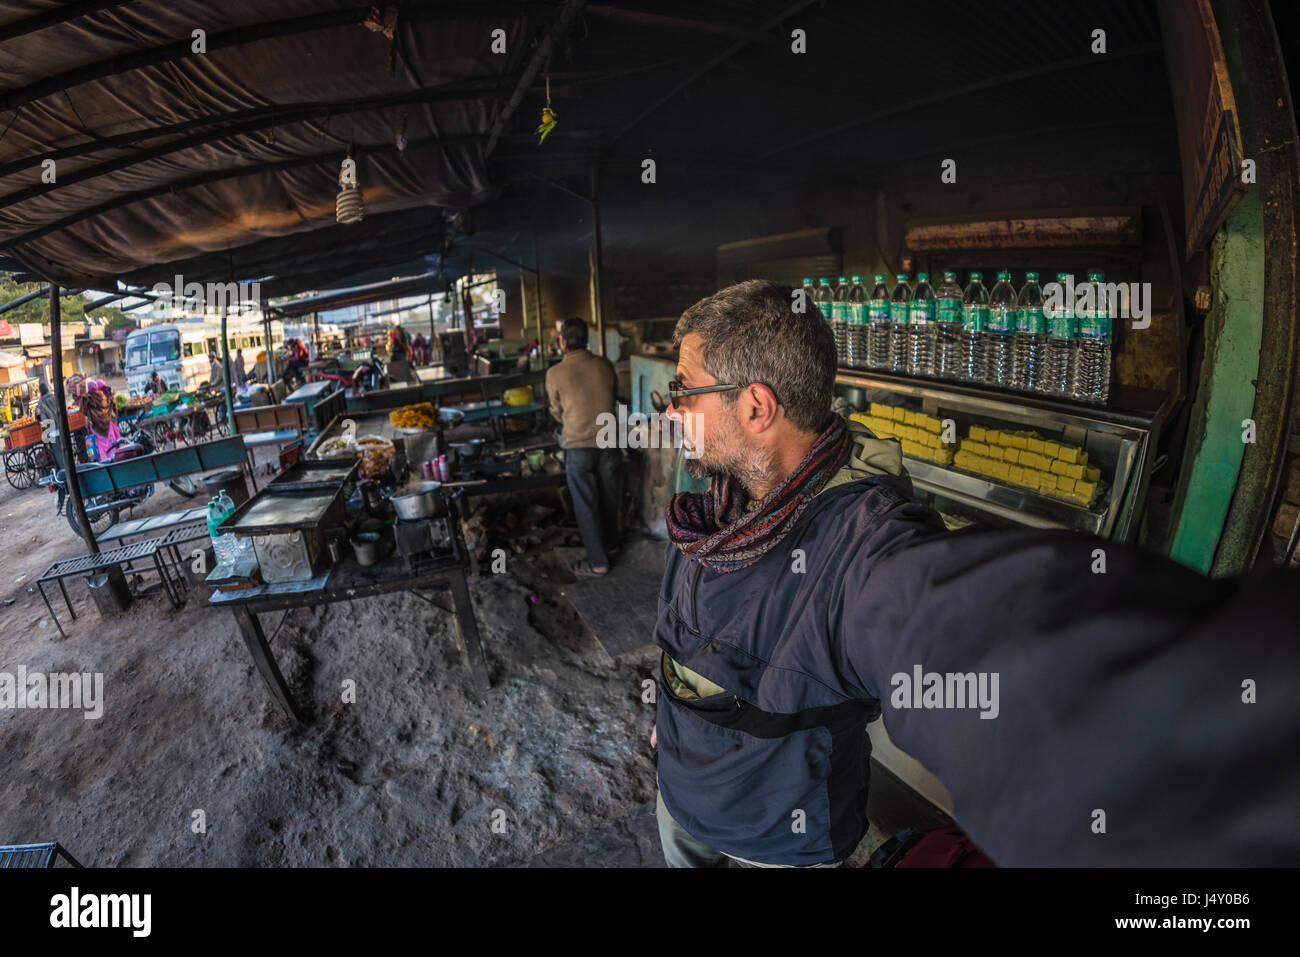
(1118,438)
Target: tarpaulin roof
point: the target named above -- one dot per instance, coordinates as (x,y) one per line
(225,163)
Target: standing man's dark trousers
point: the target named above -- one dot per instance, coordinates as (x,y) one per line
(593,485)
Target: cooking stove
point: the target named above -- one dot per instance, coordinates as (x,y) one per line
(423,540)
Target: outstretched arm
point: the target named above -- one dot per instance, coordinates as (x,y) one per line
(1131,713)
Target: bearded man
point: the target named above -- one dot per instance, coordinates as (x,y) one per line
(806,587)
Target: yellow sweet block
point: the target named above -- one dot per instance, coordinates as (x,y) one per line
(1052,449)
(931,424)
(1065,484)
(944,455)
(1092,474)
(1086,489)
(1035,446)
(1069,453)
(896,413)
(1072,471)
(1058,467)
(1047,482)
(1018,441)
(1012,455)
(977,433)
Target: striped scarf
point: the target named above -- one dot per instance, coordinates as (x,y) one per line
(717,529)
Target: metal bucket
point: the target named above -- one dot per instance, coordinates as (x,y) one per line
(109,589)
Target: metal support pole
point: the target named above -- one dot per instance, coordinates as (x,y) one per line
(225,358)
(598,313)
(537,289)
(270,347)
(61,418)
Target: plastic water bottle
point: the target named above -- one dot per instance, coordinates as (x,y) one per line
(220,542)
(1001,333)
(899,306)
(1031,337)
(974,323)
(856,355)
(1092,362)
(920,327)
(1058,373)
(947,329)
(825,298)
(809,293)
(879,326)
(840,321)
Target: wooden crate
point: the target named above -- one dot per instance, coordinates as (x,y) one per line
(24,436)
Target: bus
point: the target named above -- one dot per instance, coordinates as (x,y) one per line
(180,357)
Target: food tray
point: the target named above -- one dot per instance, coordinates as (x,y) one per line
(329,473)
(289,508)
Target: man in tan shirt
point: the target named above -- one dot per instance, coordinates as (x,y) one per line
(580,389)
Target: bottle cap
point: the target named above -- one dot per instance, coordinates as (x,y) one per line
(825,280)
(1031,277)
(843,279)
(1004,275)
(950,275)
(976,275)
(900,277)
(923,277)
(857,279)
(1095,275)
(880,277)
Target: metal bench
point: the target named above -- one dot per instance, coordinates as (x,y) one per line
(154,525)
(163,552)
(34,856)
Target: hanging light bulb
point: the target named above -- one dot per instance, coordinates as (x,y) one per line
(348,206)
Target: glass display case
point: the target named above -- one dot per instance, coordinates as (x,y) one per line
(1003,458)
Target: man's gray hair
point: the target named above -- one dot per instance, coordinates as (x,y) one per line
(750,333)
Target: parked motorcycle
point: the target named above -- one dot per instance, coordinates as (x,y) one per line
(104,509)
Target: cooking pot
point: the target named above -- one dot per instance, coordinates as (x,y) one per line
(420,500)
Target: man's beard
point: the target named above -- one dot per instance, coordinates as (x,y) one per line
(728,454)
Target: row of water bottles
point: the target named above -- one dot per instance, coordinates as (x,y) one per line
(992,337)
(225,546)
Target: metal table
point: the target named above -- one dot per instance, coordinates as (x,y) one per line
(345,581)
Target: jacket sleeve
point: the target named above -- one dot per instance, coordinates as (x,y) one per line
(553,398)
(1142,714)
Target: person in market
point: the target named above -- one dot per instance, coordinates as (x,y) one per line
(420,350)
(399,343)
(806,590)
(216,374)
(298,360)
(156,385)
(47,410)
(101,416)
(580,389)
(240,376)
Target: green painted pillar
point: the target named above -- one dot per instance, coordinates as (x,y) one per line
(1227,393)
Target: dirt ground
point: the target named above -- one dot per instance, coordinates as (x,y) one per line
(415,772)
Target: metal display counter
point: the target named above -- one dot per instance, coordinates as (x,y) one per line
(1119,440)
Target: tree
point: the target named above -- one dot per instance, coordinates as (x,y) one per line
(38,310)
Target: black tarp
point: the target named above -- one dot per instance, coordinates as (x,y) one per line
(279,178)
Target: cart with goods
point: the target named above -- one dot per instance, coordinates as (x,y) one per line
(26,457)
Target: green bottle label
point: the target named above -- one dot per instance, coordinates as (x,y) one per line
(858,313)
(826,308)
(923,310)
(948,310)
(1031,321)
(898,313)
(878,310)
(1001,321)
(840,311)
(1094,327)
(974,318)
(1061,326)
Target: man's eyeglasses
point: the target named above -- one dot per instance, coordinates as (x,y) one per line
(676,391)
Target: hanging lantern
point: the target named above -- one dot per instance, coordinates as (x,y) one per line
(348,205)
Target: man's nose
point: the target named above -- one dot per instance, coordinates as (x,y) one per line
(673,413)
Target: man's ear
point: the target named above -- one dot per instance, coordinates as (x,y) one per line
(761,407)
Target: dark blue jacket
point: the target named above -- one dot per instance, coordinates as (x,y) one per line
(1121,735)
